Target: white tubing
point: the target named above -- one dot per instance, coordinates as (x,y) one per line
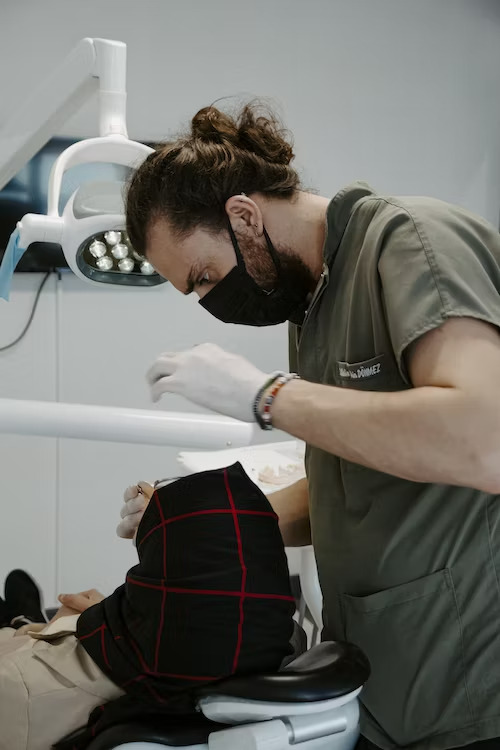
(120,425)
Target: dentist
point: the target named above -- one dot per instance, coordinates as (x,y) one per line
(394,312)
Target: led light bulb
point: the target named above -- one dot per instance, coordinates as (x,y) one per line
(97,249)
(146,268)
(119,251)
(105,263)
(126,265)
(112,237)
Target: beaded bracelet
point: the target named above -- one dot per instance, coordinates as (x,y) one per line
(264,402)
(258,398)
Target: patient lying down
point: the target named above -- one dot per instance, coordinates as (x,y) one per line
(209,597)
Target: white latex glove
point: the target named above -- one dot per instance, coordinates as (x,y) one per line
(210,377)
(135,503)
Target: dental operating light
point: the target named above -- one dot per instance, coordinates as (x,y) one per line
(91,227)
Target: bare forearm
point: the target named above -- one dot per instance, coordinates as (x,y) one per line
(292,506)
(426,434)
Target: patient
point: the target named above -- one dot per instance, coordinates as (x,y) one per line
(210,597)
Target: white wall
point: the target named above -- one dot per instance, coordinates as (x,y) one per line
(402,94)
(29,494)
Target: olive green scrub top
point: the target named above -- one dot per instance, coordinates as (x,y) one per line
(409,571)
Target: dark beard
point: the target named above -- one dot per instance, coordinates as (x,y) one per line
(260,266)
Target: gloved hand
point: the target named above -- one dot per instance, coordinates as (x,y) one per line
(210,377)
(133,510)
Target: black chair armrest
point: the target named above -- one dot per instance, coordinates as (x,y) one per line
(328,670)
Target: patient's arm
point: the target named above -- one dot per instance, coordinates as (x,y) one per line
(72,604)
(291,504)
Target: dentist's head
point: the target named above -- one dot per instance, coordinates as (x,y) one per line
(220,212)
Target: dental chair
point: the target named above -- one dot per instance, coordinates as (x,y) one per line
(310,705)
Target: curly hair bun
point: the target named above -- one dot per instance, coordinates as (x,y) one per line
(255,130)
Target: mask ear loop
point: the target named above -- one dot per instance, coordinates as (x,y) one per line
(272,252)
(237,251)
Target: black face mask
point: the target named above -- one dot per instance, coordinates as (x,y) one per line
(237,298)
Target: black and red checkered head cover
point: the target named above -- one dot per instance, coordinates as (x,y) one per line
(210,596)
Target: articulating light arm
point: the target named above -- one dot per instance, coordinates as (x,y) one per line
(95,65)
(121,425)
